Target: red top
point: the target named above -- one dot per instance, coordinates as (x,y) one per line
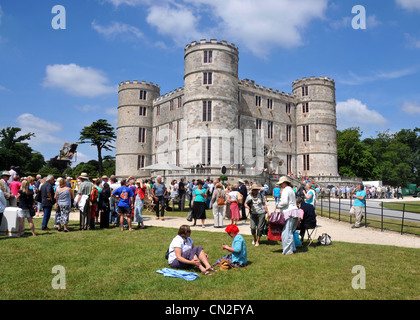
(141,192)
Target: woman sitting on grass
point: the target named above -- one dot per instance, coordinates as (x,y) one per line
(238,255)
(183,254)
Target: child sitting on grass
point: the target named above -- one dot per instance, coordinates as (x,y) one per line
(238,255)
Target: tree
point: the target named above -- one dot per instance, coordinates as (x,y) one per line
(14,151)
(100,134)
(354,158)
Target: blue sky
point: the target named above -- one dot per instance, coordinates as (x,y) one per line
(53,82)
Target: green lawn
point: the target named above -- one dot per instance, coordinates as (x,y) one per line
(410,206)
(115,265)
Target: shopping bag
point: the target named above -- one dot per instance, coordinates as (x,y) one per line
(274,232)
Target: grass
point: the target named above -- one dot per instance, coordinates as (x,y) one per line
(114,265)
(410,206)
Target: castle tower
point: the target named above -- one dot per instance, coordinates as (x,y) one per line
(210,101)
(316,128)
(134,128)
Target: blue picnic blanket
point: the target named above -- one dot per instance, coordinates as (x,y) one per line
(189,276)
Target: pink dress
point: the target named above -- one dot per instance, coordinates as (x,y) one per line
(234,208)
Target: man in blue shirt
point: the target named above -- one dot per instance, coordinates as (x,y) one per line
(359,195)
(125,203)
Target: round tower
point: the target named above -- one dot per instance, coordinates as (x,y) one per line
(210,99)
(134,128)
(316,127)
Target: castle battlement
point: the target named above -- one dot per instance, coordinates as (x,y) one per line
(170,95)
(251,84)
(304,79)
(128,82)
(211,41)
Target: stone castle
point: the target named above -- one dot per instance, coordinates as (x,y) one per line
(218,120)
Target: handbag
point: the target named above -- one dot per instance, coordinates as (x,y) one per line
(190,216)
(240,198)
(324,240)
(220,201)
(277,218)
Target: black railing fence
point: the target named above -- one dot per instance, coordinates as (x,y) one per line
(404,219)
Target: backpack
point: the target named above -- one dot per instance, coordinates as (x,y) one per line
(94,195)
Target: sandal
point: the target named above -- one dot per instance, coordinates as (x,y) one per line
(206,273)
(211,269)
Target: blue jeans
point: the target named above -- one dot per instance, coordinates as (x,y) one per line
(287,235)
(138,210)
(47,215)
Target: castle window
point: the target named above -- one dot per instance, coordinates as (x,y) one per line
(305,107)
(157,136)
(142,135)
(306,162)
(178,129)
(208,56)
(288,133)
(207,78)
(171,128)
(142,111)
(270,104)
(206,151)
(304,91)
(258,126)
(179,102)
(171,105)
(177,158)
(158,110)
(141,162)
(270,130)
(305,133)
(258,101)
(289,163)
(288,108)
(143,94)
(207,111)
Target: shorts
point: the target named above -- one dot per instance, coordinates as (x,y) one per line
(124,210)
(23,213)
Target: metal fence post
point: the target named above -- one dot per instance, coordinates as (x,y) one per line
(402,221)
(382,217)
(329,206)
(339,209)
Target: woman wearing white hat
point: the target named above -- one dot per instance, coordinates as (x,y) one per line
(291,214)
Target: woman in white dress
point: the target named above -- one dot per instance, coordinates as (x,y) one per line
(291,213)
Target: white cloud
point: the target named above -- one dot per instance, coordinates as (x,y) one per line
(117,29)
(260,26)
(178,22)
(372,22)
(4,89)
(44,130)
(78,81)
(409,4)
(355,112)
(354,79)
(412,108)
(413,41)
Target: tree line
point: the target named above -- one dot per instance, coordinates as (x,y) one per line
(393,158)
